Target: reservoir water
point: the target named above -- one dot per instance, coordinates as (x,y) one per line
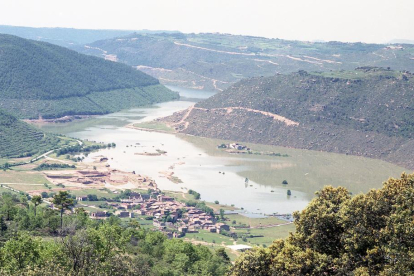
(217,175)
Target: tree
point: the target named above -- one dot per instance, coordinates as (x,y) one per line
(9,206)
(3,225)
(36,200)
(20,252)
(221,214)
(63,202)
(92,197)
(255,262)
(284,182)
(221,252)
(44,195)
(336,234)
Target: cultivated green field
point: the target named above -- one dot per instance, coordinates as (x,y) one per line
(22,177)
(269,234)
(81,124)
(253,222)
(98,192)
(206,236)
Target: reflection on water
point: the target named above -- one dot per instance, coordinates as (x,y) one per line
(217,175)
(190,163)
(191,94)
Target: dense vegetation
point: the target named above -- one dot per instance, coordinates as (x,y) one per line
(34,242)
(215,61)
(362,112)
(54,166)
(337,234)
(368,98)
(83,148)
(18,139)
(41,79)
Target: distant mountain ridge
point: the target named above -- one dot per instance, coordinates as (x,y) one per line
(216,61)
(366,112)
(402,41)
(38,79)
(66,37)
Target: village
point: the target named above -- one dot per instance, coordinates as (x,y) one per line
(170,216)
(104,192)
(145,201)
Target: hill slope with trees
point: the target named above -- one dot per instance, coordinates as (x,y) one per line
(216,61)
(41,79)
(363,112)
(40,241)
(337,234)
(19,139)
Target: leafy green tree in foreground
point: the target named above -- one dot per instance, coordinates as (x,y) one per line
(368,234)
(62,201)
(20,252)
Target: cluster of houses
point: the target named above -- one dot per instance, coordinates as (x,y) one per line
(191,221)
(168,215)
(234,146)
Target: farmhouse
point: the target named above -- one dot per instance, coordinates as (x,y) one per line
(162,198)
(81,198)
(98,215)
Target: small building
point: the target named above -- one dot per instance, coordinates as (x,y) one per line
(192,230)
(237,146)
(183,229)
(141,212)
(162,198)
(158,223)
(81,198)
(123,214)
(222,227)
(98,215)
(145,196)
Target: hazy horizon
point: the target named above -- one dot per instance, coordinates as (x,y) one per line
(371,21)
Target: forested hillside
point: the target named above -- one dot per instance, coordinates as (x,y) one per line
(38,79)
(216,61)
(18,139)
(39,241)
(337,234)
(362,112)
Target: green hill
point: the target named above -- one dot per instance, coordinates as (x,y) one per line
(365,112)
(340,234)
(19,139)
(216,61)
(39,79)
